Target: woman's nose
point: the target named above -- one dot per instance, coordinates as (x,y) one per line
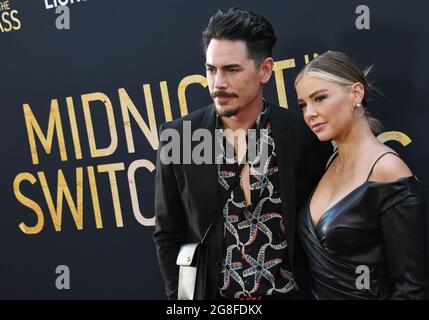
(310,112)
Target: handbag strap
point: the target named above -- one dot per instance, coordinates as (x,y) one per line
(223,200)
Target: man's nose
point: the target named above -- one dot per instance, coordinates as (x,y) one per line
(220,81)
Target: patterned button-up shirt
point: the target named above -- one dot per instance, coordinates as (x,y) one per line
(255,261)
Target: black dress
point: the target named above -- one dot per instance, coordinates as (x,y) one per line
(380,226)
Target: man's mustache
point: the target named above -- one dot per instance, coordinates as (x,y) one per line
(223,94)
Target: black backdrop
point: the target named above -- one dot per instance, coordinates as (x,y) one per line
(126,44)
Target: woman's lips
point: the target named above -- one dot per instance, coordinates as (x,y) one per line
(318,126)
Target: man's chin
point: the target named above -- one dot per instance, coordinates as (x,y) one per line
(226,111)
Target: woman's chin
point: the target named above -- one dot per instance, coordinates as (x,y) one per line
(323,137)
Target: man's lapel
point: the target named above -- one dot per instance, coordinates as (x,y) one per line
(208,172)
(283,138)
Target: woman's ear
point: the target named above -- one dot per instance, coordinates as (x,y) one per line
(358,92)
(266,69)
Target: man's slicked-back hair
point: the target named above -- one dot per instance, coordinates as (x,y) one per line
(241,24)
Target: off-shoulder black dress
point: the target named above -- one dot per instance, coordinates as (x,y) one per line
(378,227)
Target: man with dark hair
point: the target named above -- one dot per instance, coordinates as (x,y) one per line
(239,24)
(253,251)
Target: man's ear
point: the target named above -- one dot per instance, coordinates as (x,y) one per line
(266,69)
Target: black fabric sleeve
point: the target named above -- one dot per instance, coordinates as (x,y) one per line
(404,231)
(170,228)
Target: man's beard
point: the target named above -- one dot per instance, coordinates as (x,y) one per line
(224,111)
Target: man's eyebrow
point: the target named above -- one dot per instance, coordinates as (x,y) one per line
(232,65)
(228,66)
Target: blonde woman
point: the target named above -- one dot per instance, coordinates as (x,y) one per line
(366,215)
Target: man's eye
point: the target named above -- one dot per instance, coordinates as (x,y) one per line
(232,70)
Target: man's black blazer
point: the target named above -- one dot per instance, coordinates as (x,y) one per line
(186,195)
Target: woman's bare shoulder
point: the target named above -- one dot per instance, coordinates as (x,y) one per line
(390,167)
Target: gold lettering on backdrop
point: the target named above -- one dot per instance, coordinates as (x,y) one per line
(111,170)
(74,129)
(86,100)
(307,60)
(133,190)
(76,208)
(55,206)
(279,66)
(54,124)
(166,101)
(127,107)
(181,91)
(94,197)
(402,138)
(25,176)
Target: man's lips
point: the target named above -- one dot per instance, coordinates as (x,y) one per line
(222,99)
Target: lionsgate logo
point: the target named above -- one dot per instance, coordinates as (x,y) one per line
(197,147)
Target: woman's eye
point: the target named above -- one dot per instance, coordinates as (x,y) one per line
(301,105)
(320,98)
